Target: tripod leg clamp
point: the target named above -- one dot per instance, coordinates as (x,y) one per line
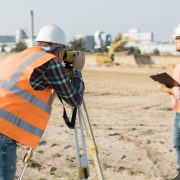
(83,172)
(92,148)
(28,157)
(83,167)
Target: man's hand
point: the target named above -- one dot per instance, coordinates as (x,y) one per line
(165,89)
(79,60)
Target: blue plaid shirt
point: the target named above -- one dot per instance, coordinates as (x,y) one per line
(53,74)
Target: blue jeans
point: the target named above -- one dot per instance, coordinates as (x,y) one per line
(7,158)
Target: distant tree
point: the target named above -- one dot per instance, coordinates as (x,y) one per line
(3,48)
(156,52)
(137,51)
(20,46)
(102,49)
(134,51)
(77,44)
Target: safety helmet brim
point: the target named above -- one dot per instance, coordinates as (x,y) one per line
(52,34)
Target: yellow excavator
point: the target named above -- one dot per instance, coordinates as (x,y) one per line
(109,56)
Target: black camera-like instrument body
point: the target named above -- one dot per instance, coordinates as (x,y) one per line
(68,61)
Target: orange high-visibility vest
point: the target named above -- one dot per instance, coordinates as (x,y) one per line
(175,102)
(24,112)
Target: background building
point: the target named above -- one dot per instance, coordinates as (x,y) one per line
(20,35)
(144,41)
(99,41)
(139,36)
(89,43)
(102,40)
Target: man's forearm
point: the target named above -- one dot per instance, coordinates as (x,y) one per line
(70,91)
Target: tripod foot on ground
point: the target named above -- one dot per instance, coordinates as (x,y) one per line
(177,177)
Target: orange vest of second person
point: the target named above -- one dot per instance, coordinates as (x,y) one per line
(24,112)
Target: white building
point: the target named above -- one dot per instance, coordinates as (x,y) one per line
(145,43)
(102,40)
(20,35)
(99,40)
(149,48)
(140,36)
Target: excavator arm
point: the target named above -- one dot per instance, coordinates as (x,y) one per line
(117,44)
(110,53)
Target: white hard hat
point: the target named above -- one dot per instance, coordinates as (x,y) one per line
(53,34)
(177,31)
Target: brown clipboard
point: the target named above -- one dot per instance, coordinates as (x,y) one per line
(166,79)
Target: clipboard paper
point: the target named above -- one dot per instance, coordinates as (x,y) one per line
(165,79)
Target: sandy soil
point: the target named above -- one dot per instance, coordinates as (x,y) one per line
(131,121)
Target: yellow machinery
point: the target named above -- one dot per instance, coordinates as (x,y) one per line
(109,56)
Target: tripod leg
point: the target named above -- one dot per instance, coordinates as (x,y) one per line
(26,160)
(82,130)
(93,148)
(81,151)
(77,145)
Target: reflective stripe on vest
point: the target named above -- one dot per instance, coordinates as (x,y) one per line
(25,95)
(24,65)
(20,123)
(26,126)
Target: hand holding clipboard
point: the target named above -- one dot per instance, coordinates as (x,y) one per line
(165,79)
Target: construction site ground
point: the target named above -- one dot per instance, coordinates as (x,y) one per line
(131,121)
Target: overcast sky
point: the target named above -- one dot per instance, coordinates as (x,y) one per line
(87,16)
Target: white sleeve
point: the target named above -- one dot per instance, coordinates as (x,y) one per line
(176,92)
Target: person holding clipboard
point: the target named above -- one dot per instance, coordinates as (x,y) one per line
(173,89)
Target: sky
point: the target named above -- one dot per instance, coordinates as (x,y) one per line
(86,17)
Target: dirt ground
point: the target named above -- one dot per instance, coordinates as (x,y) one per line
(132,124)
(131,121)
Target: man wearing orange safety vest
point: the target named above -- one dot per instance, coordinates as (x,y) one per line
(175,104)
(27,83)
